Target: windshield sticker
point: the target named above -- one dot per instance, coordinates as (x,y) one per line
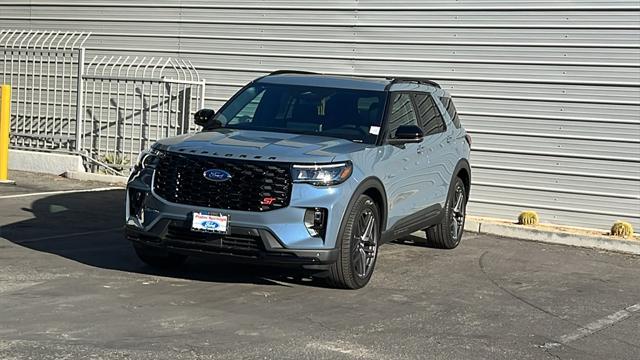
(374,130)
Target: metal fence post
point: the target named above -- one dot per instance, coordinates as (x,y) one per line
(5,111)
(80,101)
(203,86)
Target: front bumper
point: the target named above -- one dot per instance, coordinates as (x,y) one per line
(242,244)
(276,236)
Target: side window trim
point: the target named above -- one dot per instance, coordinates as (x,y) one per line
(416,110)
(442,118)
(384,126)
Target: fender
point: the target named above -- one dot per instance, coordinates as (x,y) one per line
(371,182)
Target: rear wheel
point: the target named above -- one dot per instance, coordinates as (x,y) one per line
(358,246)
(447,235)
(158,258)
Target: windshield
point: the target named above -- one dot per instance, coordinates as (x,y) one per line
(354,115)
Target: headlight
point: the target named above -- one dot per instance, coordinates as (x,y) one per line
(147,158)
(330,174)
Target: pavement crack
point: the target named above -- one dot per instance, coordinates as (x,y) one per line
(555,356)
(583,331)
(481,263)
(319,323)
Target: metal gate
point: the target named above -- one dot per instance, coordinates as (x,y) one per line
(106,111)
(42,68)
(131,102)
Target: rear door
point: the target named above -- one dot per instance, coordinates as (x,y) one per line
(436,160)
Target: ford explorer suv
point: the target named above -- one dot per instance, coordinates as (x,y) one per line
(308,170)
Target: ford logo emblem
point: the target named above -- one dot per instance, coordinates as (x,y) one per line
(216,175)
(211,225)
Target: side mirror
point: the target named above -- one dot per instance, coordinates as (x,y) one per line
(407,134)
(204,118)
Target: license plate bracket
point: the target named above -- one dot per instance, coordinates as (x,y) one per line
(211,223)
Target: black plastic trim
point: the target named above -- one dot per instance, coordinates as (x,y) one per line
(421,220)
(463,164)
(413,80)
(366,184)
(300,72)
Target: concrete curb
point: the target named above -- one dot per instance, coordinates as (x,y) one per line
(85,176)
(483,226)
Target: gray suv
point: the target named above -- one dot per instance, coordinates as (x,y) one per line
(309,170)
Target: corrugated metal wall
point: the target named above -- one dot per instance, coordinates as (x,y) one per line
(550,90)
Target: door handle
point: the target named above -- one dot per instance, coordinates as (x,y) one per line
(420,149)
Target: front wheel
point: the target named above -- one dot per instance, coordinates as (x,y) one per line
(358,246)
(447,234)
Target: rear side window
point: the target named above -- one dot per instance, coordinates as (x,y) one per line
(431,120)
(451,109)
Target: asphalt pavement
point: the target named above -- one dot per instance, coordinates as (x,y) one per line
(72,288)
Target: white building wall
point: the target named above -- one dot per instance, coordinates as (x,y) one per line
(549,90)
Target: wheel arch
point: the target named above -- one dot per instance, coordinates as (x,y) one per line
(378,195)
(463,171)
(372,187)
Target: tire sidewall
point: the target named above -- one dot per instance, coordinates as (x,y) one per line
(449,209)
(363,203)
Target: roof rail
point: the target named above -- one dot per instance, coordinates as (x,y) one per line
(279,72)
(396,80)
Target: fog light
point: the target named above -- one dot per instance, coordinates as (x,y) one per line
(315,220)
(136,203)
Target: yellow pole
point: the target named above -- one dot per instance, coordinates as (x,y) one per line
(5,109)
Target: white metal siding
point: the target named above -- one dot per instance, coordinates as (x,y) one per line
(550,90)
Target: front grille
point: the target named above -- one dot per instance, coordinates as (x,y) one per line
(254,185)
(182,237)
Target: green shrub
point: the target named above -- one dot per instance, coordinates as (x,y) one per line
(116,161)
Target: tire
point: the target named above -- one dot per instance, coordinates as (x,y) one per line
(448,233)
(358,251)
(158,258)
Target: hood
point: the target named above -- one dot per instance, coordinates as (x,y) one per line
(262,145)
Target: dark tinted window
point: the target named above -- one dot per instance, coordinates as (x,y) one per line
(451,109)
(431,120)
(401,113)
(355,115)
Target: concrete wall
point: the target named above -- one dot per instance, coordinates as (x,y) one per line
(50,163)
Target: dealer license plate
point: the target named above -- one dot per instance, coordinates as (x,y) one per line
(210,223)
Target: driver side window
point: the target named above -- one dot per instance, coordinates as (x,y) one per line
(402,113)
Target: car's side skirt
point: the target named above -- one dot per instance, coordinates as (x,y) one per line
(421,220)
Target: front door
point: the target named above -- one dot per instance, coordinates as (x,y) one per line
(403,165)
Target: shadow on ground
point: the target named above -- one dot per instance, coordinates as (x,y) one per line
(88,228)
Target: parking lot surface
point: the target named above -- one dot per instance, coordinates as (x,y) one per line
(71,288)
